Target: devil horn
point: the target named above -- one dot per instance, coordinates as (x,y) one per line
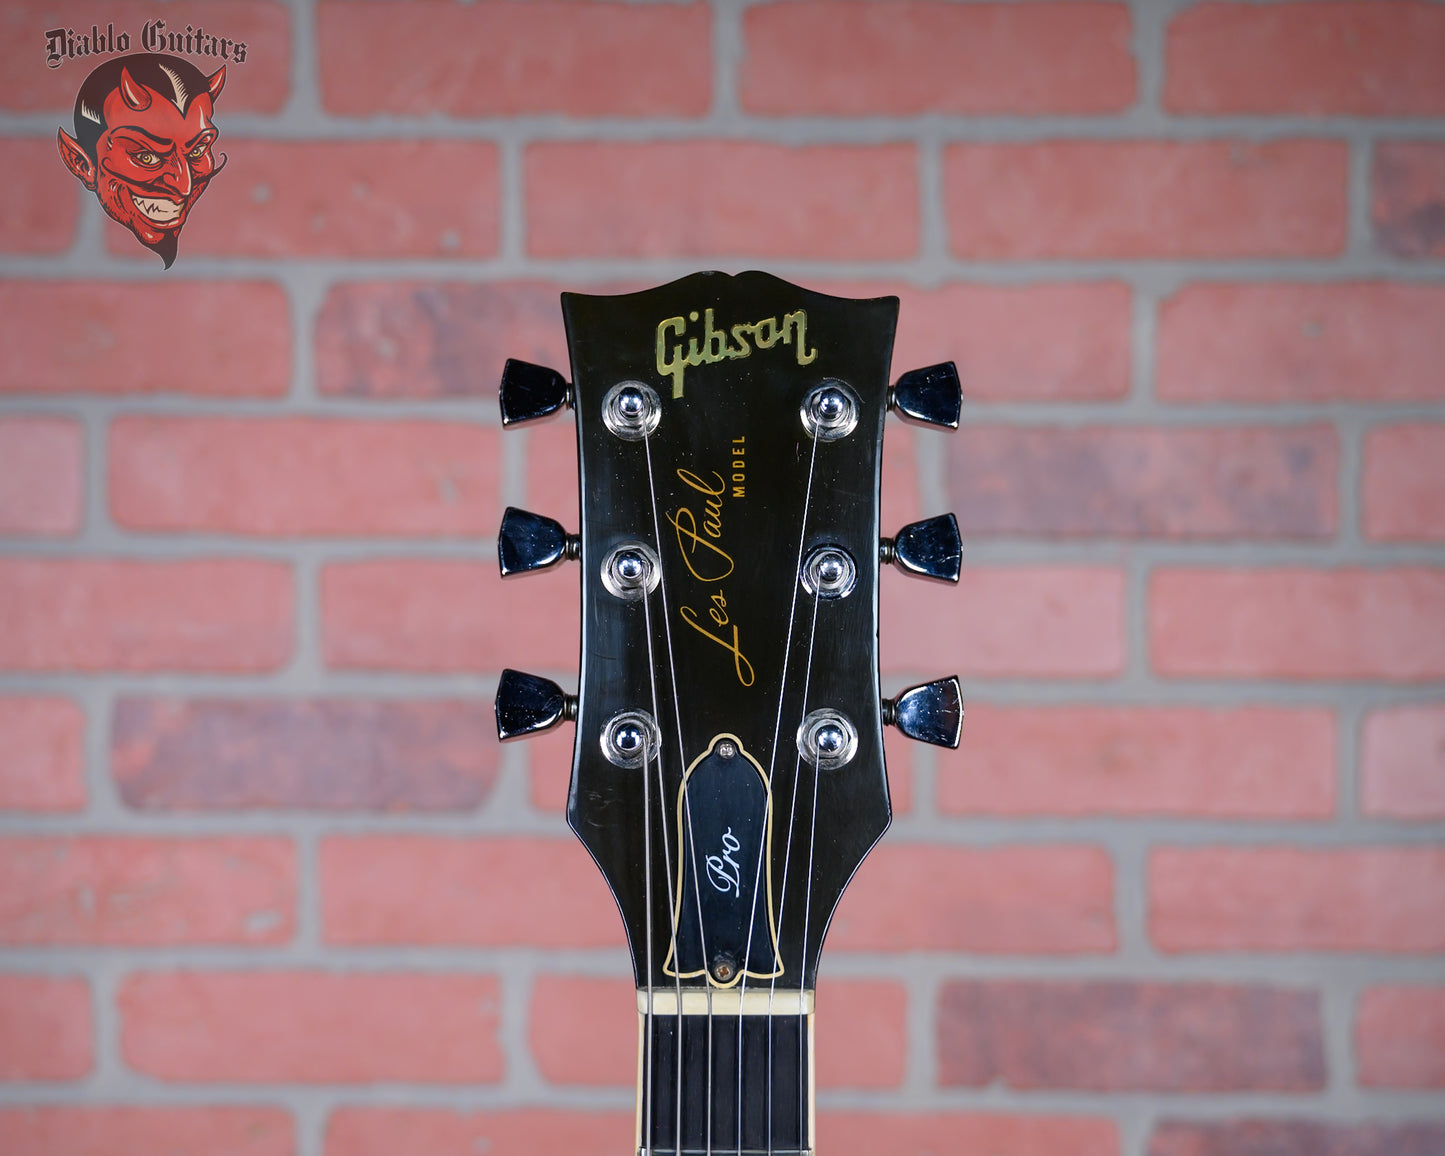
(133,94)
(216,81)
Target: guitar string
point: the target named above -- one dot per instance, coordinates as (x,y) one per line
(803,1074)
(687,808)
(808,885)
(650,1089)
(763,848)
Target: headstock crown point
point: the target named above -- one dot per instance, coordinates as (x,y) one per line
(929,396)
(529,392)
(930,713)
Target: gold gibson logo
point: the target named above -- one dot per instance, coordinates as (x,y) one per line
(713,345)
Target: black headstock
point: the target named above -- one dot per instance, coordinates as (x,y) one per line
(728,774)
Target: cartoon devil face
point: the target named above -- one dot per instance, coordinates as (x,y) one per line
(143,143)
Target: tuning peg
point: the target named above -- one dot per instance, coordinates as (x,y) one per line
(527,704)
(529,541)
(931,713)
(931,548)
(929,396)
(531,391)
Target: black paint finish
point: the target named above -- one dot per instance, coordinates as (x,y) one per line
(730,470)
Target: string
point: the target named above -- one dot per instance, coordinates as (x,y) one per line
(792,810)
(650,1088)
(687,807)
(808,882)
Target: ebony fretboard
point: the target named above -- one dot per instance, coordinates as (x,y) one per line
(704,1086)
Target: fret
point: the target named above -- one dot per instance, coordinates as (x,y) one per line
(703,1086)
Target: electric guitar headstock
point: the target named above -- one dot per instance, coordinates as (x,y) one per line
(728,774)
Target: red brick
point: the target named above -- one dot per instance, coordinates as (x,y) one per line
(433,339)
(415,889)
(374,198)
(862,1034)
(310,1027)
(869,1133)
(1133,199)
(119,614)
(289,476)
(98,890)
(583,1030)
(512,59)
(549,766)
(435,615)
(220,338)
(552,485)
(1133,482)
(830,202)
(45,1031)
(257,84)
(1382,899)
(91,1130)
(514,1132)
(1407,198)
(1045,342)
(1041,622)
(898,753)
(42,757)
(1400,1037)
(1119,1036)
(39,202)
(851,59)
(1296,1138)
(1404,483)
(999,900)
(1245,763)
(1351,58)
(42,464)
(1306,624)
(1348,341)
(329,754)
(1402,765)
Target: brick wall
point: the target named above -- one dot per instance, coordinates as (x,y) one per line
(268,887)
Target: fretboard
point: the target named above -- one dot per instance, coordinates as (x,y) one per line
(745,1068)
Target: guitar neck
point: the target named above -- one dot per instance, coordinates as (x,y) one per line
(730,1072)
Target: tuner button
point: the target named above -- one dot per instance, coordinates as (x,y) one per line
(931,548)
(531,391)
(530,541)
(930,396)
(931,713)
(527,704)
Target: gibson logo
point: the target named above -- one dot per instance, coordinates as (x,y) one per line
(714,345)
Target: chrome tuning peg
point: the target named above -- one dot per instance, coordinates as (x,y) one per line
(931,548)
(528,542)
(931,713)
(527,704)
(531,391)
(929,396)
